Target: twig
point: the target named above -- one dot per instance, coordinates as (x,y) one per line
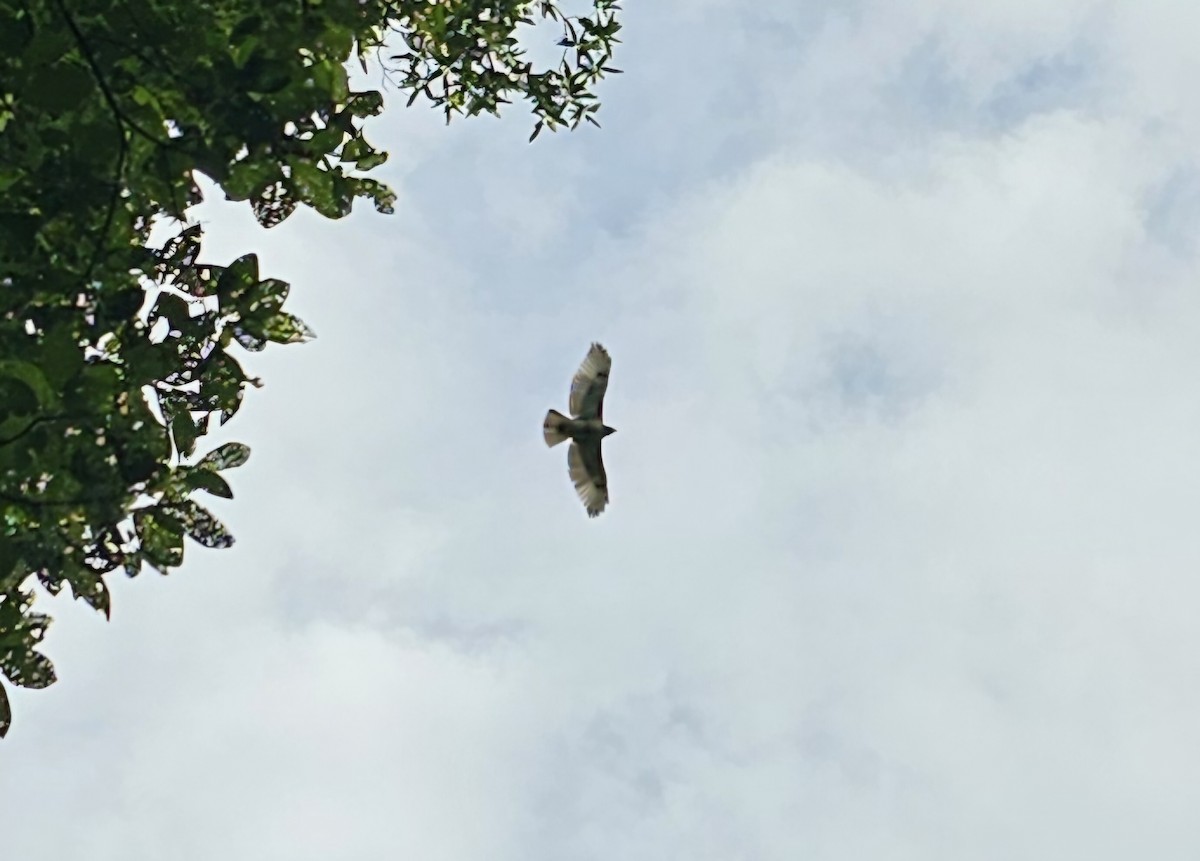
(90,58)
(39,420)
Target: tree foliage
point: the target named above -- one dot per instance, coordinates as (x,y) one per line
(118,356)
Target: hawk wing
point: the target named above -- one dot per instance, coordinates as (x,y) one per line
(589,385)
(587,472)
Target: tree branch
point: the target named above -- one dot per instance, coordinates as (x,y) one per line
(39,420)
(58,503)
(118,184)
(90,59)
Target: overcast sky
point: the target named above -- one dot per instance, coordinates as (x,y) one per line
(902,557)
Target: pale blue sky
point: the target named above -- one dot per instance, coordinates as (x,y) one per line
(901,556)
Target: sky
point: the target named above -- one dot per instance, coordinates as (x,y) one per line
(900,560)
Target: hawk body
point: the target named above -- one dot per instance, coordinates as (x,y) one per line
(585,429)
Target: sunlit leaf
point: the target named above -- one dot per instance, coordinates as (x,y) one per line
(227,456)
(284,328)
(199,523)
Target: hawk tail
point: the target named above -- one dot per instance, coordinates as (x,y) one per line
(552,428)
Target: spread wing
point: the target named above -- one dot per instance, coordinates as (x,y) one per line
(589,385)
(587,472)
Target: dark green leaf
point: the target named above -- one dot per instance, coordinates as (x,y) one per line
(248,178)
(18,406)
(366,104)
(59,87)
(171,306)
(313,185)
(60,355)
(33,379)
(227,456)
(199,523)
(90,588)
(273,205)
(382,196)
(161,536)
(205,479)
(26,668)
(249,339)
(146,361)
(239,277)
(267,298)
(185,433)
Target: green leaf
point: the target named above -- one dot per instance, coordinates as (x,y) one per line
(173,307)
(267,297)
(365,104)
(14,38)
(239,278)
(182,249)
(284,328)
(264,75)
(199,523)
(242,51)
(89,587)
(205,479)
(338,41)
(382,196)
(325,141)
(61,356)
(249,339)
(161,536)
(225,384)
(48,44)
(52,581)
(118,305)
(19,627)
(33,378)
(26,668)
(59,88)
(227,456)
(273,205)
(343,195)
(314,186)
(146,362)
(185,432)
(330,77)
(5,712)
(362,154)
(140,462)
(18,406)
(249,177)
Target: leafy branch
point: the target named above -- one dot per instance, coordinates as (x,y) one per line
(140,348)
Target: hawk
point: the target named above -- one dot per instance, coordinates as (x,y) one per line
(585,429)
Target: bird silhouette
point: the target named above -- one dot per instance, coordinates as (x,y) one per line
(585,429)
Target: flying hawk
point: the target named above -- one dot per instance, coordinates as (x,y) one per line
(585,429)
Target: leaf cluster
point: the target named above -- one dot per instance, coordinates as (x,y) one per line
(466,58)
(118,355)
